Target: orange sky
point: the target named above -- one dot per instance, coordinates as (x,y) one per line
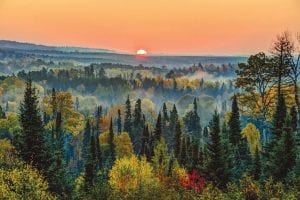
(159,26)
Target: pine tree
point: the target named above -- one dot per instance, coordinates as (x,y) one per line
(235,136)
(128,117)
(194,154)
(196,120)
(183,152)
(177,140)
(165,113)
(273,147)
(192,121)
(285,152)
(158,129)
(137,126)
(86,138)
(137,114)
(227,150)
(98,118)
(216,166)
(165,126)
(90,172)
(2,113)
(119,122)
(33,146)
(279,118)
(256,171)
(145,147)
(173,119)
(111,143)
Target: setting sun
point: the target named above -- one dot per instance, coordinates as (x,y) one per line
(141,52)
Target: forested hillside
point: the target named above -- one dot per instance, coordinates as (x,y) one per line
(92,130)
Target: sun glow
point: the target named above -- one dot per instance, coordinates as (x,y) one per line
(141,52)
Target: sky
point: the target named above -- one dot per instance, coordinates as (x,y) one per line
(192,27)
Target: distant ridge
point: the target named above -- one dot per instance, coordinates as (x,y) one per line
(9,44)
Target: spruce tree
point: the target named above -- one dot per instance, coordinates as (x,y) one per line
(173,119)
(86,138)
(137,126)
(165,113)
(128,117)
(285,152)
(111,143)
(257,168)
(165,126)
(279,118)
(90,167)
(33,147)
(273,147)
(293,118)
(196,120)
(158,129)
(183,152)
(2,113)
(177,140)
(216,166)
(194,154)
(145,149)
(98,118)
(235,136)
(119,122)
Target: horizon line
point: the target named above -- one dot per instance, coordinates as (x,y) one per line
(123,52)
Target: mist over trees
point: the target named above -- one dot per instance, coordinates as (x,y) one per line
(119,132)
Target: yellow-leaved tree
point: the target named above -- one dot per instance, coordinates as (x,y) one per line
(252,135)
(72,121)
(19,180)
(128,174)
(123,145)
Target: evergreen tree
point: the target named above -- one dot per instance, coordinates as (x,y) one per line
(137,126)
(145,147)
(165,113)
(111,143)
(196,120)
(119,122)
(216,166)
(158,129)
(86,138)
(194,154)
(192,121)
(183,152)
(2,113)
(98,118)
(177,140)
(137,115)
(173,119)
(279,118)
(165,126)
(33,146)
(256,171)
(227,150)
(293,117)
(235,136)
(273,147)
(285,152)
(90,172)
(128,117)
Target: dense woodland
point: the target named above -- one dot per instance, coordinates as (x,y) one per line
(113,131)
